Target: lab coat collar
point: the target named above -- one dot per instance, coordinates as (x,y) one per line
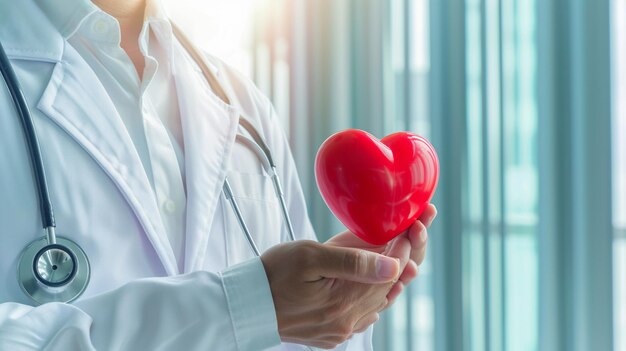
(209,130)
(27,32)
(92,121)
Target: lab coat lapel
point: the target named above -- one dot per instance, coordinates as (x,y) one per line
(209,130)
(76,101)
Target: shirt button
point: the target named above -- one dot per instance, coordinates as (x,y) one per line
(100,26)
(169,206)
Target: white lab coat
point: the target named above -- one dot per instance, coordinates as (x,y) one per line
(137,298)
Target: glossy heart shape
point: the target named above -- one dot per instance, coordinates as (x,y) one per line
(377,189)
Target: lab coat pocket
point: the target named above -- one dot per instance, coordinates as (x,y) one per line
(260,209)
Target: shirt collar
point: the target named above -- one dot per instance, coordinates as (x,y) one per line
(68,15)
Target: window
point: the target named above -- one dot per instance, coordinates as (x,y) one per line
(222,28)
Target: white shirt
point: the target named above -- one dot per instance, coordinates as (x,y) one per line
(148,106)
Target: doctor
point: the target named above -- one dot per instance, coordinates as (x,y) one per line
(137,146)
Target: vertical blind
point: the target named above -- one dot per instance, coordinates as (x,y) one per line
(516,97)
(487,51)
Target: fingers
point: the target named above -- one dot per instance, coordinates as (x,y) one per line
(357,265)
(409,273)
(428,216)
(400,248)
(394,293)
(418,236)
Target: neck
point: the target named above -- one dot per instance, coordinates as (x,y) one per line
(123,10)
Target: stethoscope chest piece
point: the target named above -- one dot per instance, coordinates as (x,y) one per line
(53,272)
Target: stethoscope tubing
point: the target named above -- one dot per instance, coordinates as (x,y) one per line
(19,101)
(228,192)
(265,158)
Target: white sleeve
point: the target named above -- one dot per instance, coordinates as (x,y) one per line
(232,310)
(298,211)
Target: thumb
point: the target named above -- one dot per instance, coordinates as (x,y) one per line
(358,265)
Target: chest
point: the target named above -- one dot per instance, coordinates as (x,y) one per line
(103,202)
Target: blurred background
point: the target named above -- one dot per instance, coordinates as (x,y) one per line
(525,101)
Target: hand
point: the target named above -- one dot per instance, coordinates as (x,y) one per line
(324,294)
(415,237)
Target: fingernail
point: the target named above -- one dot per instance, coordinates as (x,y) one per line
(387,268)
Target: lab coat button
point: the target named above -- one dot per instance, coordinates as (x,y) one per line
(170,206)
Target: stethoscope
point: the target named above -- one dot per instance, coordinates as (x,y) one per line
(56,269)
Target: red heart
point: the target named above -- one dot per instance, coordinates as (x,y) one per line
(377,189)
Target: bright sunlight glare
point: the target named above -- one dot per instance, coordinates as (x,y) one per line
(221,28)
